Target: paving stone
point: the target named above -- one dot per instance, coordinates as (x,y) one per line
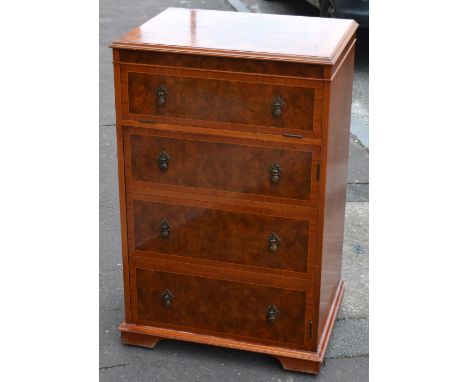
(350,338)
(178,361)
(358,172)
(355,268)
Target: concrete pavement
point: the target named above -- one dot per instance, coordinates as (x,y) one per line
(347,356)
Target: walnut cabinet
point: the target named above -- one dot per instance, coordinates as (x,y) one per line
(232,136)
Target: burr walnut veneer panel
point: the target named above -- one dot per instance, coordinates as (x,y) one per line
(214,234)
(217,306)
(232,137)
(220,166)
(190,61)
(244,103)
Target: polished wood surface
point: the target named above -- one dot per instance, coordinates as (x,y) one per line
(221,235)
(231,34)
(241,65)
(221,101)
(296,364)
(122,186)
(219,166)
(217,306)
(199,200)
(138,339)
(306,361)
(262,213)
(334,186)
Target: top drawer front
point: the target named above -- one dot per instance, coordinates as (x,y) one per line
(222,103)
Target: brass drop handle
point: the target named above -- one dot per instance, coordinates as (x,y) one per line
(276,171)
(167,298)
(164,229)
(278,104)
(163,161)
(272,313)
(273,242)
(161,95)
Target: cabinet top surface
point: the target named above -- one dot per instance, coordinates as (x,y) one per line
(247,35)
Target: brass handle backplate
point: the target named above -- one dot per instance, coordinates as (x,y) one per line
(163,161)
(167,298)
(272,313)
(161,95)
(273,242)
(278,104)
(164,228)
(276,171)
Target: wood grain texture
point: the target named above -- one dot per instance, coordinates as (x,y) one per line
(122,189)
(219,235)
(217,340)
(265,68)
(230,272)
(219,306)
(280,352)
(246,138)
(219,166)
(257,212)
(334,185)
(230,34)
(296,364)
(138,339)
(215,189)
(225,204)
(221,101)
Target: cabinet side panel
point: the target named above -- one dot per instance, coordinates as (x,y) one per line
(122,194)
(336,170)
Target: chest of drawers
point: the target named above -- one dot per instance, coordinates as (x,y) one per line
(232,137)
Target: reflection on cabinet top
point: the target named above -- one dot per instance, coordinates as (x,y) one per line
(311,40)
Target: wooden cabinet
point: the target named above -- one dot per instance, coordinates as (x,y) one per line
(232,135)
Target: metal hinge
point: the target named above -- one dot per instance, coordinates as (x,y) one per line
(310,329)
(318,171)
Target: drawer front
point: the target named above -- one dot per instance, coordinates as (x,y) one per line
(238,65)
(224,236)
(279,108)
(221,166)
(217,306)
